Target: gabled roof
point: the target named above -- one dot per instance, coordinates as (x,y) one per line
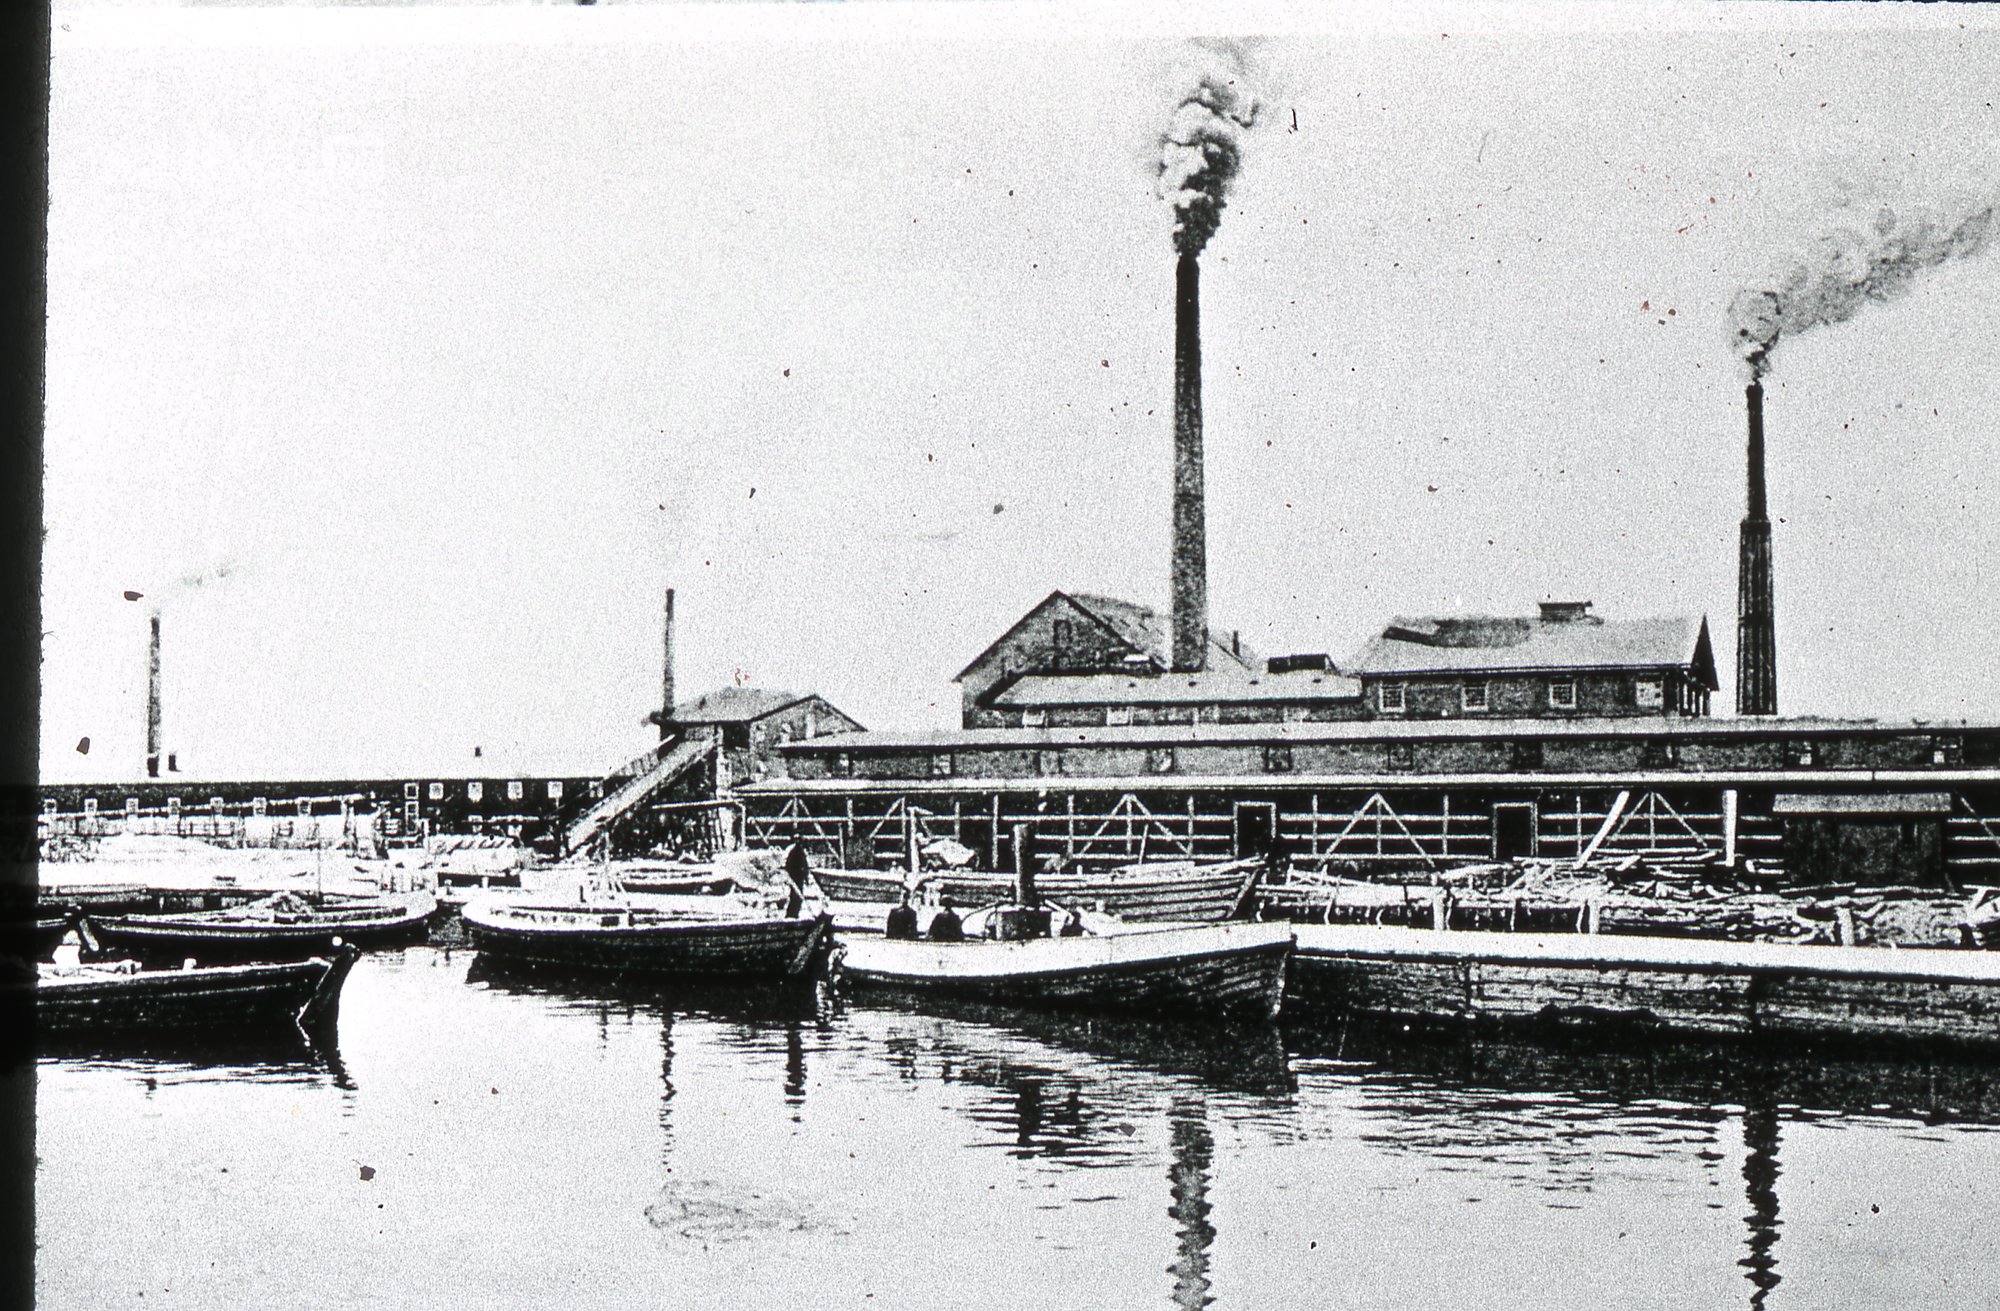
(1142,629)
(731,705)
(1177,689)
(1486,643)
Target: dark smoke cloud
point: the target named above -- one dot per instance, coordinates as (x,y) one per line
(1202,149)
(1851,267)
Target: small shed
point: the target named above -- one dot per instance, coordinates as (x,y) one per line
(1864,837)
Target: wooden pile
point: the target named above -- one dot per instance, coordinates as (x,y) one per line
(1659,894)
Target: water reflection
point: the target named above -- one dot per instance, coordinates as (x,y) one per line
(1760,1178)
(199,1058)
(1188,1176)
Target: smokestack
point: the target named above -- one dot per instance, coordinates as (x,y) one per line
(1756,631)
(667,668)
(1190,546)
(153,697)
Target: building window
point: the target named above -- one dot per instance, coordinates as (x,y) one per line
(1278,758)
(305,806)
(90,805)
(1063,640)
(1659,755)
(48,805)
(1160,760)
(843,764)
(1472,696)
(174,807)
(513,789)
(1562,694)
(941,764)
(1401,756)
(475,791)
(1803,753)
(1390,697)
(258,805)
(215,804)
(1117,716)
(1034,718)
(1648,693)
(555,789)
(435,792)
(1527,755)
(409,791)
(132,807)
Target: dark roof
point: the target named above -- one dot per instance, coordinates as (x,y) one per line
(1213,686)
(1486,643)
(1141,628)
(732,705)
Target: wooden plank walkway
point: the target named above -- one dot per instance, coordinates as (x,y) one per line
(1707,987)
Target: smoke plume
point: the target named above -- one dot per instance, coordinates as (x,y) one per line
(1201,150)
(1850,267)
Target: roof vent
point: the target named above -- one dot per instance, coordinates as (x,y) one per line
(1565,612)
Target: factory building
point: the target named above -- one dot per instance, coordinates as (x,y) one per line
(1563,663)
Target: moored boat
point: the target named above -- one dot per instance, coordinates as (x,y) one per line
(1217,969)
(730,940)
(1184,892)
(287,926)
(223,1000)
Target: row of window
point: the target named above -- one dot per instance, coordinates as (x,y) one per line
(1647,693)
(476,790)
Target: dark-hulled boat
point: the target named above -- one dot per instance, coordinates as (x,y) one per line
(727,942)
(223,1000)
(1182,892)
(33,938)
(287,926)
(1215,969)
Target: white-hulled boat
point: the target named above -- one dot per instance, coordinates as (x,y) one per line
(1218,969)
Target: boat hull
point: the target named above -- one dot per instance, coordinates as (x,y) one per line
(1148,894)
(618,941)
(1230,970)
(233,1000)
(214,937)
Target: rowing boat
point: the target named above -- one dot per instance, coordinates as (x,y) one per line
(232,1000)
(1217,969)
(1183,892)
(287,926)
(729,940)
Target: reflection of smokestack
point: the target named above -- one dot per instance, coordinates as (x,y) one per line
(1190,546)
(153,697)
(667,668)
(1756,632)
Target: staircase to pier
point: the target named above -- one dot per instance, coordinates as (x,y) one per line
(634,783)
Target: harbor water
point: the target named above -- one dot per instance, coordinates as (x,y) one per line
(480,1139)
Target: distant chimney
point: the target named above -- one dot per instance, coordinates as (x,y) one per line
(667,668)
(1565,612)
(1190,544)
(153,697)
(1756,626)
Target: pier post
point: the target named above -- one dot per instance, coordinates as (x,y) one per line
(1731,807)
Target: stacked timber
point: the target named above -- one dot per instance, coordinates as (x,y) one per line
(1655,894)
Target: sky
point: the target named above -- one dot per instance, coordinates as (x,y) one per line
(402,357)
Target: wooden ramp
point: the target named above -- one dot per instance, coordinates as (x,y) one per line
(630,787)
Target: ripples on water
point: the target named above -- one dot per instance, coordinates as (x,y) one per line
(482,1138)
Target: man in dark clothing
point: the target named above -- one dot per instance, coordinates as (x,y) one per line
(903,920)
(946,925)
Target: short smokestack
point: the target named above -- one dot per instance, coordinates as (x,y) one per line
(153,696)
(667,668)
(1756,630)
(1190,546)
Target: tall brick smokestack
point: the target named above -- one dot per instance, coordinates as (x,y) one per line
(1190,547)
(667,668)
(153,696)
(1756,632)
